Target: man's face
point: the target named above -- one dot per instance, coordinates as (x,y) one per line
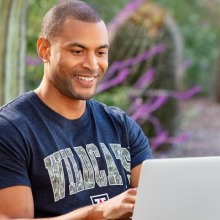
(78,58)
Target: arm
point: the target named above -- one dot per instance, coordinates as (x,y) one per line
(17,202)
(135,175)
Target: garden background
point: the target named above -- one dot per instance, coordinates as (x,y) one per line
(164,66)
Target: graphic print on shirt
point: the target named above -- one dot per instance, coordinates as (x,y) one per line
(99,198)
(90,174)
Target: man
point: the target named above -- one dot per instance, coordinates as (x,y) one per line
(62,154)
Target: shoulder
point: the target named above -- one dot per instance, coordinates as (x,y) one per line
(112,114)
(15,111)
(16,104)
(112,111)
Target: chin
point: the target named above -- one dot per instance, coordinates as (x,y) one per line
(83,96)
(86,95)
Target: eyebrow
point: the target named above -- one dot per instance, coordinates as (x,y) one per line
(84,47)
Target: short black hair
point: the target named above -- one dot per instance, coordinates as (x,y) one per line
(74,9)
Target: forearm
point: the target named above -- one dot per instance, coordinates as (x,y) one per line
(93,212)
(119,207)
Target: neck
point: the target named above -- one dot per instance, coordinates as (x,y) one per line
(68,108)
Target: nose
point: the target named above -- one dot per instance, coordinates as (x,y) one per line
(90,62)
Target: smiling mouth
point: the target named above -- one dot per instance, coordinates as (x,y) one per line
(87,79)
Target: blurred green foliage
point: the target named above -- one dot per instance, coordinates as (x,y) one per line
(117,96)
(198,23)
(106,8)
(36,12)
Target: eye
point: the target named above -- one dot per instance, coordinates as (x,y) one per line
(102,53)
(77,52)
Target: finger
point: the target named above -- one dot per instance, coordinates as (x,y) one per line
(132,191)
(129,207)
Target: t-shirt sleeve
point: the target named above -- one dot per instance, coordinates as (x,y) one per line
(13,156)
(139,145)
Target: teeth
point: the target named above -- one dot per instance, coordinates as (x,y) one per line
(87,79)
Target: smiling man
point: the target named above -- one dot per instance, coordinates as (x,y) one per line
(64,155)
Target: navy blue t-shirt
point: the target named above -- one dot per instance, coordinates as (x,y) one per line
(68,163)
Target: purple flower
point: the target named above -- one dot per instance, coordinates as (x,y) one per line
(156,124)
(115,81)
(123,15)
(140,112)
(144,81)
(138,101)
(164,138)
(159,139)
(111,78)
(159,48)
(144,110)
(187,94)
(33,61)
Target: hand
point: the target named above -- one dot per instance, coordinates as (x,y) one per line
(2,217)
(121,206)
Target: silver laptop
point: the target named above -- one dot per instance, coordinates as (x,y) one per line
(179,189)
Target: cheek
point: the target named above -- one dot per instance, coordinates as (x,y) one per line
(69,61)
(64,64)
(104,65)
(60,58)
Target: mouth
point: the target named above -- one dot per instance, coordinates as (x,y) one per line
(87,79)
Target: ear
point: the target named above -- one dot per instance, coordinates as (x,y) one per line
(43,49)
